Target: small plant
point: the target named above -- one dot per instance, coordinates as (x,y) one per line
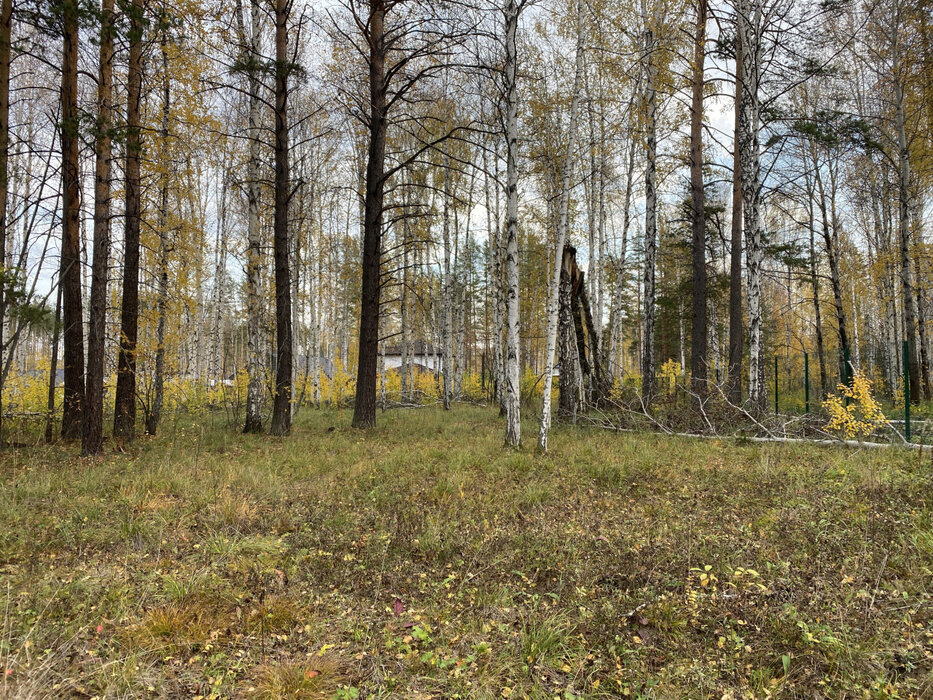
(670,370)
(858,417)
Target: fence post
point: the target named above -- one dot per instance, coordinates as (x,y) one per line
(806,383)
(775,385)
(906,393)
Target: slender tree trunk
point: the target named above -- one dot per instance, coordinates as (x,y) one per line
(158,399)
(563,226)
(736,318)
(404,301)
(93,433)
(281,423)
(616,350)
(220,276)
(917,234)
(830,231)
(699,361)
(651,224)
(513,429)
(364,410)
(254,363)
(124,420)
(815,286)
(447,329)
(749,20)
(53,368)
(492,282)
(70,274)
(907,291)
(6,21)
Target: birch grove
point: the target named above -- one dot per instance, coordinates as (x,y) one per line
(375,204)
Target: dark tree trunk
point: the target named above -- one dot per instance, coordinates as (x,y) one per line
(815,285)
(364,411)
(93,436)
(154,415)
(568,390)
(70,273)
(922,326)
(124,419)
(736,340)
(282,406)
(698,355)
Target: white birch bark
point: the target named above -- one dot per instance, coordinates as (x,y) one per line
(748,22)
(513,428)
(651,221)
(563,224)
(447,329)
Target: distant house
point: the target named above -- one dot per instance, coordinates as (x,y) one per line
(423,355)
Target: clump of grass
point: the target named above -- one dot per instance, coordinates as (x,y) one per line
(235,512)
(319,678)
(181,625)
(545,641)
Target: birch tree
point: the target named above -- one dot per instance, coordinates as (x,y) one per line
(563,224)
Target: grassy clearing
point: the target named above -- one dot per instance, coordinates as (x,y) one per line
(424,560)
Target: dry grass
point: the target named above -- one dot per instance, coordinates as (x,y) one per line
(424,560)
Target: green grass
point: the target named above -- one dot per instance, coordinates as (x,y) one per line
(423,559)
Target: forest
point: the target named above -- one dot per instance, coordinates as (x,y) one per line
(466,348)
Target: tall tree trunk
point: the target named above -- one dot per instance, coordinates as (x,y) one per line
(6,21)
(616,350)
(493,286)
(447,328)
(698,356)
(513,428)
(155,412)
(592,188)
(364,410)
(651,223)
(404,300)
(907,291)
(831,243)
(281,422)
(70,274)
(749,21)
(254,364)
(815,286)
(917,234)
(124,420)
(736,318)
(93,433)
(220,275)
(563,226)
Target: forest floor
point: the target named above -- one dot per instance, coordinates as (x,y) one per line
(424,560)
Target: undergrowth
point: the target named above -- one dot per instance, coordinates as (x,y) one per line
(423,559)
